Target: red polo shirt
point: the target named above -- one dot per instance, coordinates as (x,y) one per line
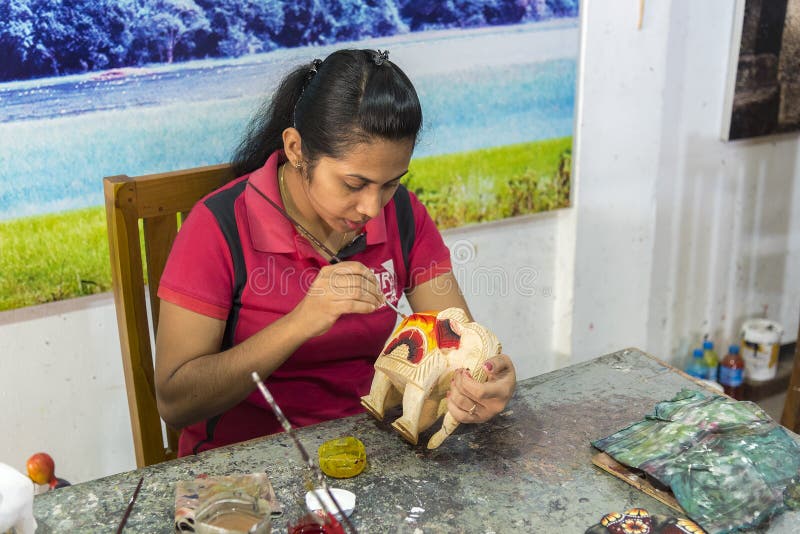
(325,378)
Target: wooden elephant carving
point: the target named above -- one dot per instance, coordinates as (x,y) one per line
(417,364)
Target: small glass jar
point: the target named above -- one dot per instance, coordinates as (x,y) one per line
(314,523)
(229,513)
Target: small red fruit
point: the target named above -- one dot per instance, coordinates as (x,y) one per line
(41,469)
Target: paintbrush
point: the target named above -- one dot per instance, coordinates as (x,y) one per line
(287,426)
(130,506)
(395,308)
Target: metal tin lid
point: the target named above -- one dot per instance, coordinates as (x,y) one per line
(761,331)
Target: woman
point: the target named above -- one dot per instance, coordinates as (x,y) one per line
(285,271)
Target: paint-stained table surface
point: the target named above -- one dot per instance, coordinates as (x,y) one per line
(528,470)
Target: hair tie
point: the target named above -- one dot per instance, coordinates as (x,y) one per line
(380,57)
(312,70)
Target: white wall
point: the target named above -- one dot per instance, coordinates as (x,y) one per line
(62,390)
(673,233)
(678,233)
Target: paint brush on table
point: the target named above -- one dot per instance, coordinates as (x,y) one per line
(287,426)
(127,513)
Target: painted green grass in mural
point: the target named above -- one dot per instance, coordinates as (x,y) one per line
(53,257)
(494,183)
(64,255)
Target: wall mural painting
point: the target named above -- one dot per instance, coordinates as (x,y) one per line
(763,95)
(93,88)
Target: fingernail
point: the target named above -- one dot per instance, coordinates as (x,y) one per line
(488,366)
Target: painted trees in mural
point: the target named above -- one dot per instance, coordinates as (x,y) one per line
(44,38)
(93,88)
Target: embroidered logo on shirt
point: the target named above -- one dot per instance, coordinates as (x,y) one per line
(387,280)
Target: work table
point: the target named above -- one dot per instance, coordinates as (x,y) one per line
(527,470)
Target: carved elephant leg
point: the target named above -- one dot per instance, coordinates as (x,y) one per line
(449,424)
(408,424)
(382,395)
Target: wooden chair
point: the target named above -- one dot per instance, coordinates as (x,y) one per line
(160,201)
(791,406)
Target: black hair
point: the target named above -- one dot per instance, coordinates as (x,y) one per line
(351,97)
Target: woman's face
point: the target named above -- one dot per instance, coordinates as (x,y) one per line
(349,191)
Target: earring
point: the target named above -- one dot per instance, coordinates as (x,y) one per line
(298,165)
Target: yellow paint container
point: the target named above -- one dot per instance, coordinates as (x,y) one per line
(343,457)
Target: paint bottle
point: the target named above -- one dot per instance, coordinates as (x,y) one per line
(697,367)
(731,373)
(711,360)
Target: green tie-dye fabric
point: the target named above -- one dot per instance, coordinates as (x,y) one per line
(728,464)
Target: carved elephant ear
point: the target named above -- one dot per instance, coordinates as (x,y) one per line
(448,334)
(448,327)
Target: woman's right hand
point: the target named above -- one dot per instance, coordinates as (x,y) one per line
(346,287)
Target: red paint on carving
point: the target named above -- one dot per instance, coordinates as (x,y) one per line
(412,339)
(446,338)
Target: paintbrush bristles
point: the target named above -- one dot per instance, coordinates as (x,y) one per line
(395,309)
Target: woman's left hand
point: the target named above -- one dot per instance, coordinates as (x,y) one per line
(470,401)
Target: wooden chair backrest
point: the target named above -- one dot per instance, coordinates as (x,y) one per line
(160,201)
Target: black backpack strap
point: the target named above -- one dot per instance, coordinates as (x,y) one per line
(405,222)
(221,206)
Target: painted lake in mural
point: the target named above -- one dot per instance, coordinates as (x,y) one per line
(59,137)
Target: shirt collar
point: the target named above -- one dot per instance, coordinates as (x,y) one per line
(270,230)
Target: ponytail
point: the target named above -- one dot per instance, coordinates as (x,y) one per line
(351,97)
(264,134)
